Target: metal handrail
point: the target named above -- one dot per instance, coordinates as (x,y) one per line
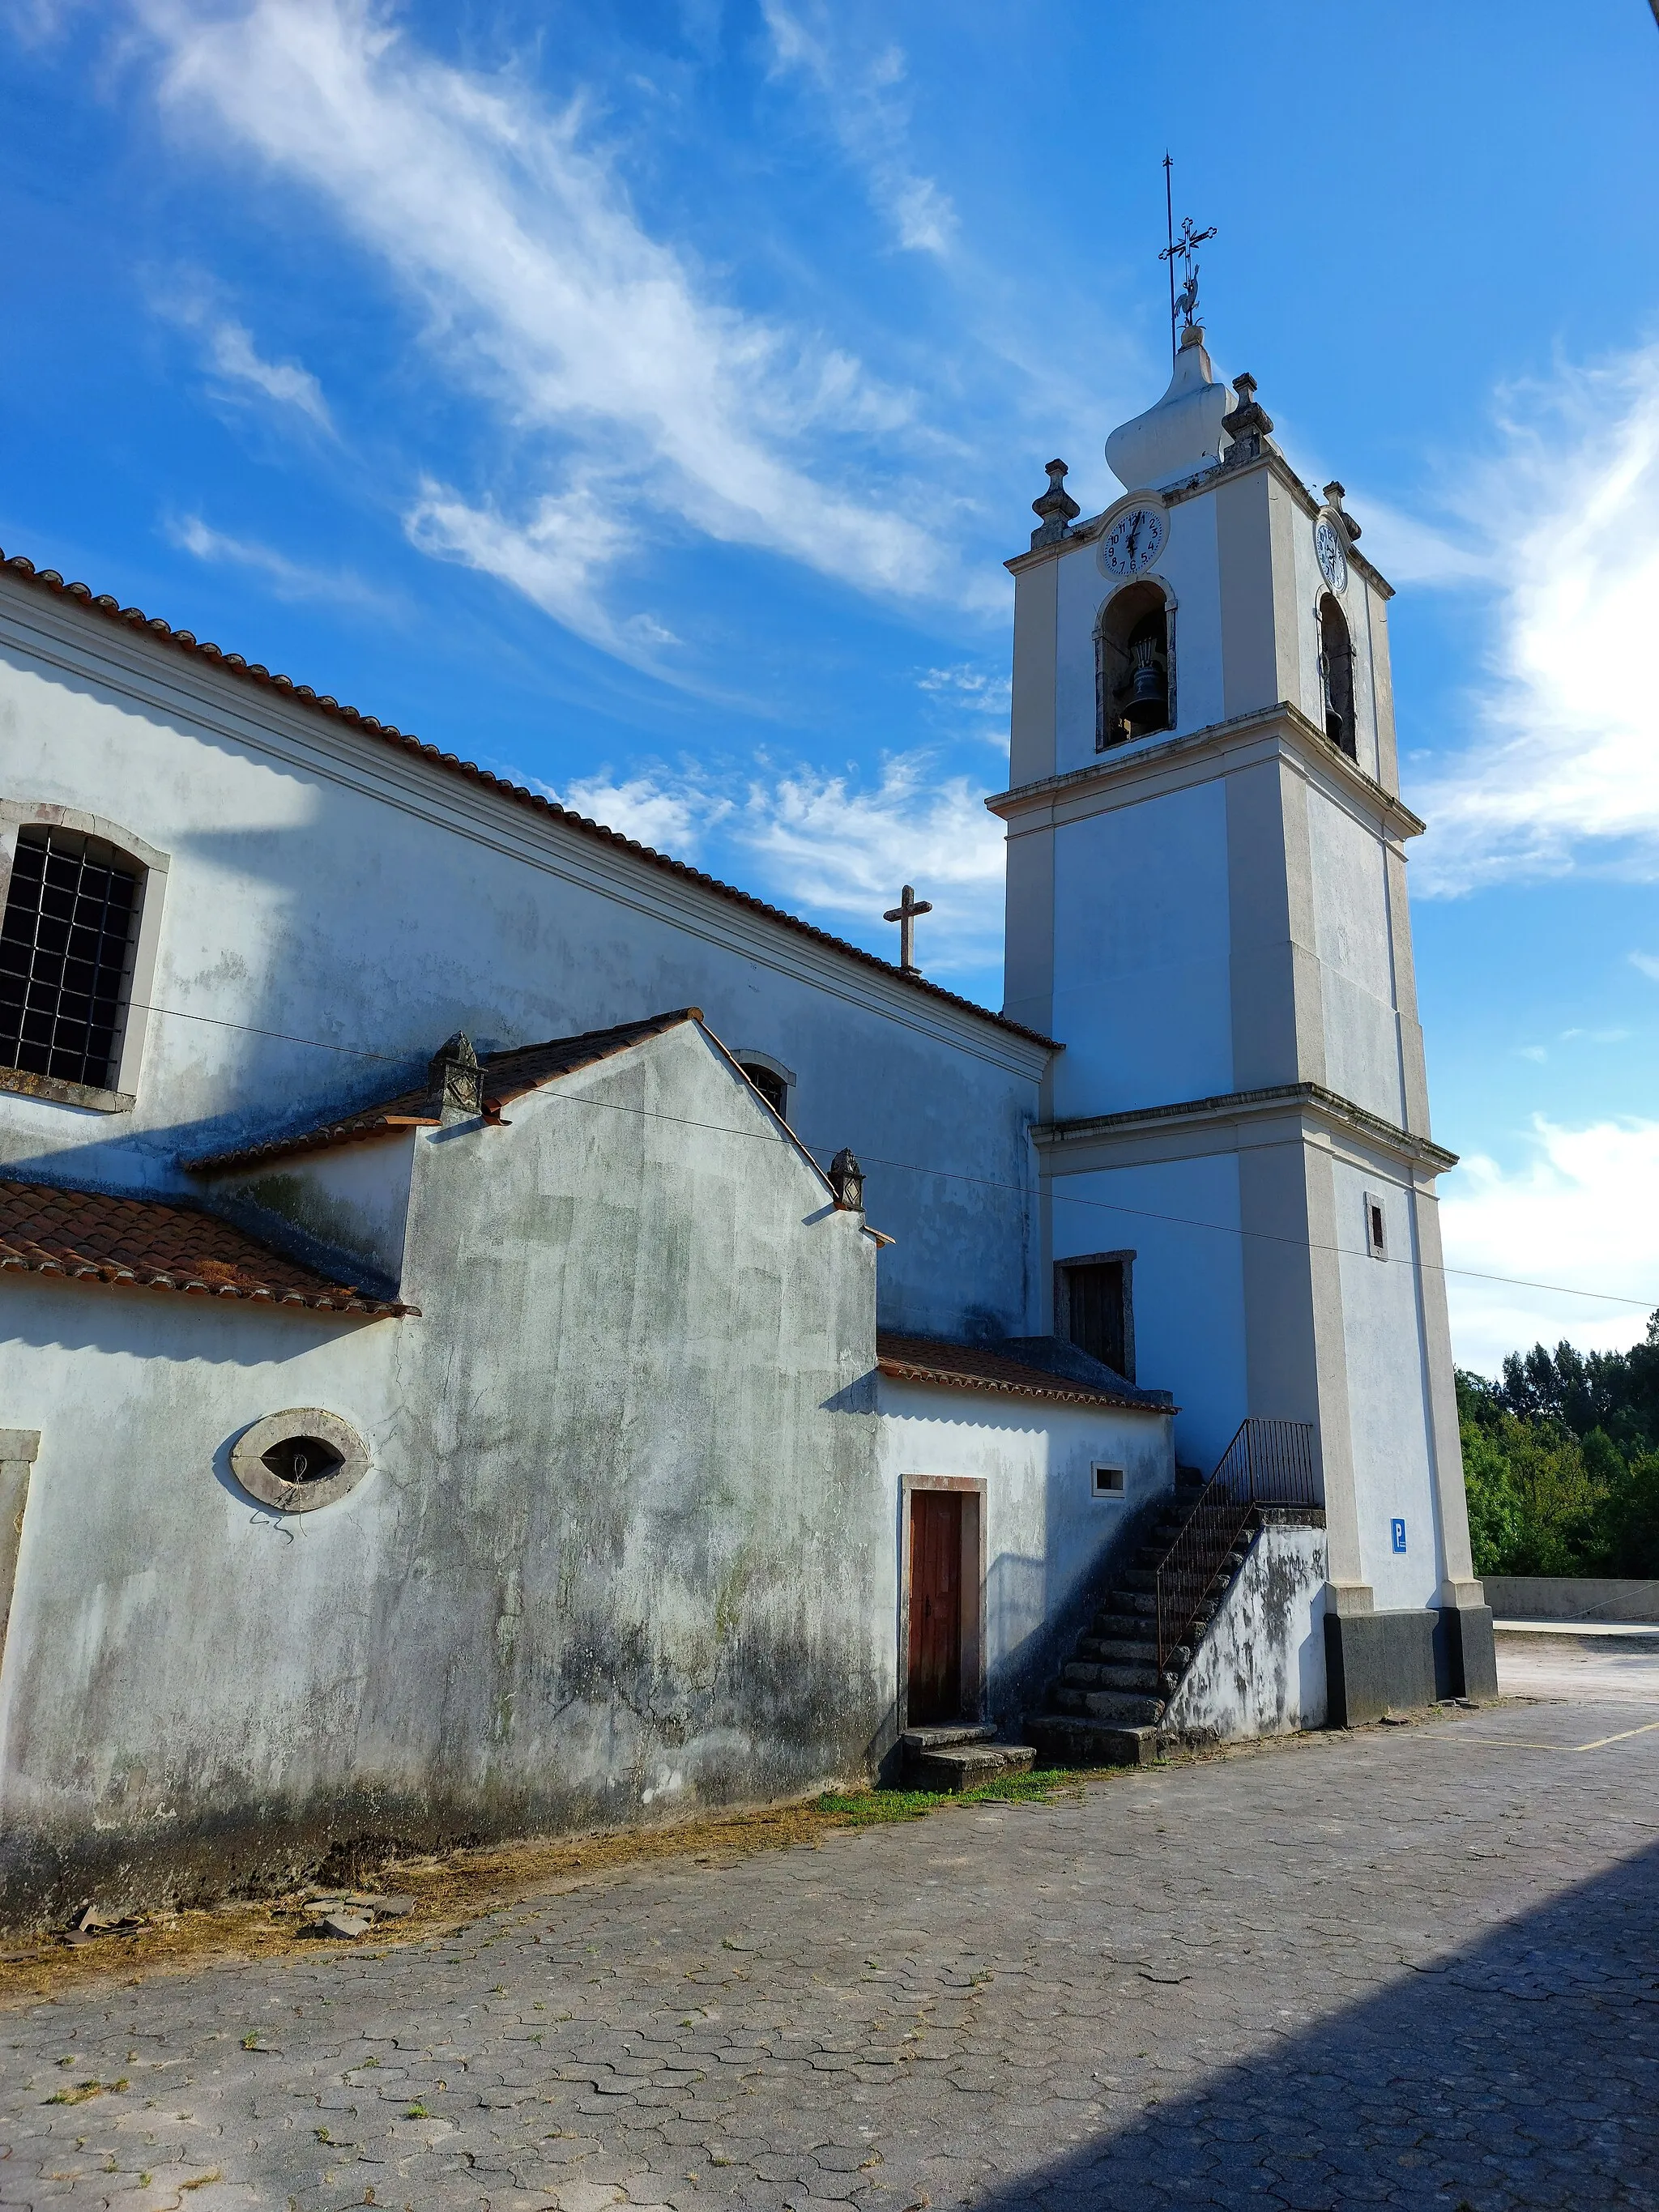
(1267,1463)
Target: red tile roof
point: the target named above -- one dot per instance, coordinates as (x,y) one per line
(980,1367)
(91,1236)
(254,672)
(508,1075)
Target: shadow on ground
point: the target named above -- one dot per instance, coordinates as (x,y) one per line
(1522,2071)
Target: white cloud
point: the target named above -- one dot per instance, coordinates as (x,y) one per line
(287,579)
(558,556)
(547,300)
(670,814)
(1564,772)
(825,844)
(1647,962)
(1579,1212)
(234,362)
(827,847)
(867,116)
(232,353)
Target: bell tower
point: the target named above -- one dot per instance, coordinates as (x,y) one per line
(1207,909)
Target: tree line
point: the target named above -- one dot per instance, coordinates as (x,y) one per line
(1561,1462)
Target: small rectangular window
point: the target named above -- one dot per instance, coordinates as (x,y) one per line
(1107,1481)
(66,946)
(1377,1227)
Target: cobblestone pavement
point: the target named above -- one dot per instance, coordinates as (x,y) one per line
(1415,1967)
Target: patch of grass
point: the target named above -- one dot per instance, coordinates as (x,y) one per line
(417,2112)
(866,1808)
(81,2090)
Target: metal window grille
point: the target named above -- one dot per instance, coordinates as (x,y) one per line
(66,957)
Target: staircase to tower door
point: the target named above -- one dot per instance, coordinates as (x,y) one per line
(1107,1706)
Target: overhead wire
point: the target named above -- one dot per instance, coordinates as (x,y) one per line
(960,1175)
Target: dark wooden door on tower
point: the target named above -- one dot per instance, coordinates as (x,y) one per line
(935,1684)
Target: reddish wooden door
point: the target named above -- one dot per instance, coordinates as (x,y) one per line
(935,1692)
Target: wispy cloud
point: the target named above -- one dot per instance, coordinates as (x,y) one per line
(843,850)
(1647,962)
(831,847)
(672,814)
(862,99)
(287,580)
(1565,1216)
(546,298)
(1563,524)
(230,354)
(234,356)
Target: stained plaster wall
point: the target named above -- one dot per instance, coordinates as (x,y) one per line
(1046,1536)
(1260,1667)
(325,887)
(1391,1441)
(625,1547)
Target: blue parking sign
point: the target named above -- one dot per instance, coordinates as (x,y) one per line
(1398,1528)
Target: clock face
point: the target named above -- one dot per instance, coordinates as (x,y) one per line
(1133,541)
(1333,557)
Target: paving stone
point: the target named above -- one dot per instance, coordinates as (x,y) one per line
(1411,1967)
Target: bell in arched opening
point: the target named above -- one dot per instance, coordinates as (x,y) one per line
(1135,690)
(1336,675)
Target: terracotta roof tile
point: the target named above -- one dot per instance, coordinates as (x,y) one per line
(981,1367)
(91,1236)
(253,672)
(508,1075)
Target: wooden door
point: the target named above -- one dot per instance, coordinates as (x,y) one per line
(935,1689)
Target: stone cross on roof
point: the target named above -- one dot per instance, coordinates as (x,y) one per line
(904,914)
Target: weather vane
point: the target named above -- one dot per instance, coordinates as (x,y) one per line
(1180,249)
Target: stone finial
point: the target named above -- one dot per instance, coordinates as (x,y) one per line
(454,1075)
(846,1181)
(1334,493)
(1056,509)
(1250,425)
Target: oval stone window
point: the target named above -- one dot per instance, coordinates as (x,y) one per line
(299,1460)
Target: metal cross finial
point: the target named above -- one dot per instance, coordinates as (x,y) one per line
(904,914)
(1180,249)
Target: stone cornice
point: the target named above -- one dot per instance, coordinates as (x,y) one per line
(1147,756)
(1084,532)
(1327,1107)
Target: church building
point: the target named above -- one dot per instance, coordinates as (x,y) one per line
(501,1332)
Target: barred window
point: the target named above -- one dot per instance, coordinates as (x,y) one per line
(66,949)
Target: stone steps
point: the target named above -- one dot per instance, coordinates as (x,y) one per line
(959,1756)
(1140,1673)
(1062,1740)
(1107,1704)
(1120,1706)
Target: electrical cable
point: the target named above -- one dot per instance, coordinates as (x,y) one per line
(960,1175)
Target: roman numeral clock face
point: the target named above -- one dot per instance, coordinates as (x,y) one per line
(1133,541)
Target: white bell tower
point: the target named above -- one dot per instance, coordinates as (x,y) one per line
(1207,907)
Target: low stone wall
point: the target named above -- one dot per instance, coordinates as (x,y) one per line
(1570,1597)
(1261,1668)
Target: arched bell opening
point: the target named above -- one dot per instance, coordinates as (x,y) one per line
(1134,665)
(1336,676)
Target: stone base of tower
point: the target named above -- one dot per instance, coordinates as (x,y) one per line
(1393,1662)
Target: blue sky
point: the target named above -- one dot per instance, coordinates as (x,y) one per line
(643,400)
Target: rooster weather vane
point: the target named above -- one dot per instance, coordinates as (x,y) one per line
(1183,304)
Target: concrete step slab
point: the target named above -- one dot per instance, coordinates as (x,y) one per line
(1065,1740)
(965,1766)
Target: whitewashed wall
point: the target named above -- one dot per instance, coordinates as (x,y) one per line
(325,887)
(1046,1536)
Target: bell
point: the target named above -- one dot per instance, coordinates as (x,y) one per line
(1148,705)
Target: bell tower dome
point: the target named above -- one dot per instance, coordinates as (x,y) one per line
(1208,908)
